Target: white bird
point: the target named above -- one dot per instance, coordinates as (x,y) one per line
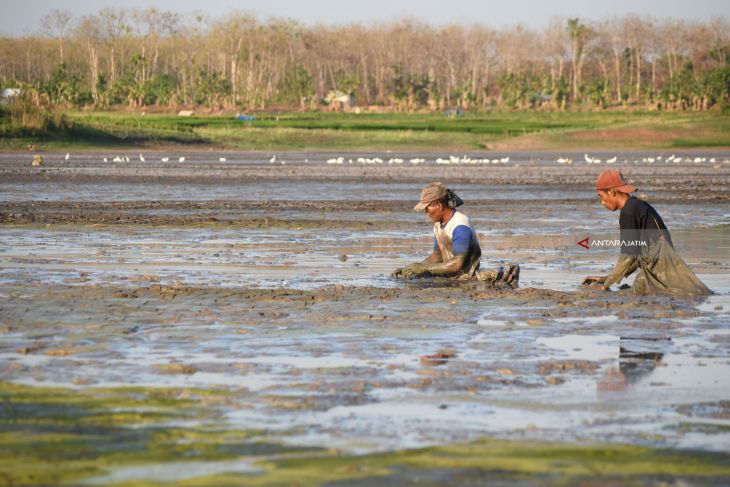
(181,159)
(126,158)
(611,160)
(222,159)
(141,158)
(68,155)
(118,159)
(504,160)
(273,158)
(105,160)
(165,159)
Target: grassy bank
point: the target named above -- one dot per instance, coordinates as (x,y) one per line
(153,436)
(337,131)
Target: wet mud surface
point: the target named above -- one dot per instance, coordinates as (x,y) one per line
(256,311)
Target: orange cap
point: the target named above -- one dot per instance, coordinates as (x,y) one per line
(613,179)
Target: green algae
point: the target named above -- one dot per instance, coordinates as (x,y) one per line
(51,435)
(567,463)
(55,436)
(700,427)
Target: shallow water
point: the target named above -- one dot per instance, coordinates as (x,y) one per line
(347,371)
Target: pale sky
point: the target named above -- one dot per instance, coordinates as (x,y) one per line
(22,17)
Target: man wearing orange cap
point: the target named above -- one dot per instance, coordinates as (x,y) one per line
(456,251)
(645,244)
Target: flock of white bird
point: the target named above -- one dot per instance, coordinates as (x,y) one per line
(418,160)
(463,160)
(647,160)
(141,158)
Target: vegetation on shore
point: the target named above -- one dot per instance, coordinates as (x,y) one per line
(162,59)
(49,129)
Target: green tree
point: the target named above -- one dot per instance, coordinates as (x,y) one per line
(211,89)
(296,87)
(64,88)
(158,90)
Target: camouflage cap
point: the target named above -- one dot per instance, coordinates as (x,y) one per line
(432,192)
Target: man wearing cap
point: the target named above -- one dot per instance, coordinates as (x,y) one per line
(645,244)
(456,251)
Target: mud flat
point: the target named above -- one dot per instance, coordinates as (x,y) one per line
(221,324)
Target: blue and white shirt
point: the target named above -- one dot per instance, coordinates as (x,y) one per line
(458,237)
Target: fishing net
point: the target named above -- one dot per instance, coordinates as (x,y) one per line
(662,271)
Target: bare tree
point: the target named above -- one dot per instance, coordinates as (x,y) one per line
(556,42)
(57,25)
(579,34)
(89,30)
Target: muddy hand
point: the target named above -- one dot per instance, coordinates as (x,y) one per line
(411,271)
(511,276)
(397,273)
(592,280)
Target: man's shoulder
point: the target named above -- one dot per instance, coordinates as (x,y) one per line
(640,206)
(635,205)
(460,219)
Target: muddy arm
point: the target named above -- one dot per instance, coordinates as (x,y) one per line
(624,267)
(451,266)
(433,258)
(439,268)
(408,271)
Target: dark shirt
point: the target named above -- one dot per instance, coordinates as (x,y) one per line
(640,222)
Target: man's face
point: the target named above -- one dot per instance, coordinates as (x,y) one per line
(434,211)
(609,199)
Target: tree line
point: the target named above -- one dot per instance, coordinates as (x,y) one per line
(144,58)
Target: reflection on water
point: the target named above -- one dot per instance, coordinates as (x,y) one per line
(638,356)
(637,359)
